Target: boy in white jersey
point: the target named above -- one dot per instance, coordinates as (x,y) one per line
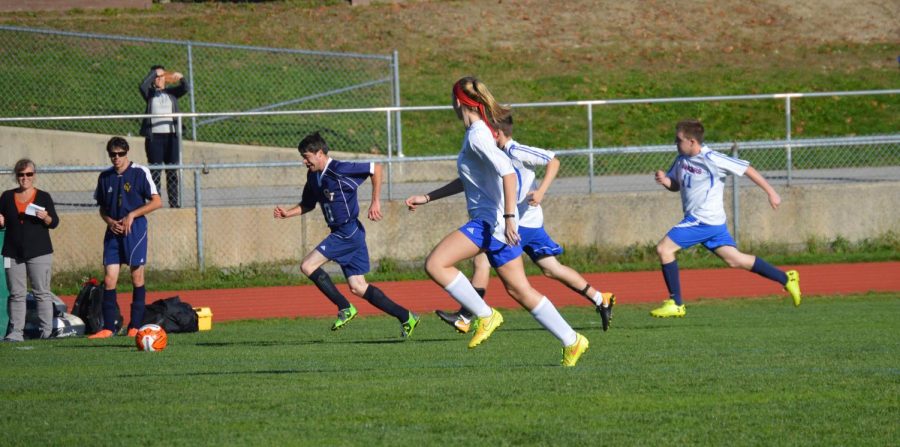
(539,246)
(699,173)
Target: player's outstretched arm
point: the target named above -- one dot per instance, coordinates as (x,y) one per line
(756,177)
(454,187)
(281,213)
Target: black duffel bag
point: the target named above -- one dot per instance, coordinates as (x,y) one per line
(172,315)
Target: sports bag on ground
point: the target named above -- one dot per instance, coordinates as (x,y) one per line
(172,314)
(64,324)
(89,307)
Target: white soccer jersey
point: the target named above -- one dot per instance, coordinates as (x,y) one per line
(481,166)
(524,160)
(702,181)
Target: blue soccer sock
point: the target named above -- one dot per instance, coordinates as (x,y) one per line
(377,298)
(326,286)
(109,309)
(673,282)
(766,270)
(138,305)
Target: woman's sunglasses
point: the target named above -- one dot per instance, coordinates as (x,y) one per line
(24,174)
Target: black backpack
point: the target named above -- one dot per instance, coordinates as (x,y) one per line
(172,315)
(89,307)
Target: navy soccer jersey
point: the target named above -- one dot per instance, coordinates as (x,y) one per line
(119,195)
(335,190)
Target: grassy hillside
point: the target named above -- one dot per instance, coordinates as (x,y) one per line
(536,51)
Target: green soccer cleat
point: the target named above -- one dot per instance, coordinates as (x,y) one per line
(793,286)
(343,317)
(571,354)
(668,309)
(486,327)
(407,328)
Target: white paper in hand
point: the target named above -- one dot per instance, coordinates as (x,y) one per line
(32,209)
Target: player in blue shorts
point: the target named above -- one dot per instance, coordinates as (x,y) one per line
(536,243)
(126,194)
(333,184)
(489,181)
(699,174)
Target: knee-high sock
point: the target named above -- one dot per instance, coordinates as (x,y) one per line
(109,309)
(324,283)
(378,299)
(138,305)
(673,282)
(766,270)
(546,314)
(465,314)
(462,291)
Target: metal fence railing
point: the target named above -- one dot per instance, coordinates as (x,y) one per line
(51,73)
(220,192)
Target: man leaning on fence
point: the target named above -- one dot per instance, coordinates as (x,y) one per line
(161,89)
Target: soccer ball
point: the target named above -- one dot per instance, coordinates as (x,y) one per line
(151,337)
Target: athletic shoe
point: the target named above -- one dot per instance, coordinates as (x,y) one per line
(793,286)
(454,319)
(132,332)
(668,309)
(571,354)
(343,317)
(486,327)
(105,333)
(407,328)
(606,311)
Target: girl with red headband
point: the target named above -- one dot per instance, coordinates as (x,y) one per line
(489,181)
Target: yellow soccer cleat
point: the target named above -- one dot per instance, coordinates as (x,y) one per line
(486,327)
(668,309)
(793,286)
(571,354)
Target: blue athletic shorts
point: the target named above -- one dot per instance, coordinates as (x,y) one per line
(537,243)
(128,249)
(690,232)
(346,245)
(498,253)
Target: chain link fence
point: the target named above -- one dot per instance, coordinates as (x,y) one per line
(53,73)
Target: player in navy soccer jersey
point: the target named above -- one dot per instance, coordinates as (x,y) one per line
(699,173)
(333,184)
(536,243)
(125,193)
(489,181)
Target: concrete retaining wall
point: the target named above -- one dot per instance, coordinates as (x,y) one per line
(234,236)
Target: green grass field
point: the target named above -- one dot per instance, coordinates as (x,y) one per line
(735,372)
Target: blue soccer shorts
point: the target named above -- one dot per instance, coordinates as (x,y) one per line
(690,232)
(537,243)
(130,249)
(346,245)
(498,253)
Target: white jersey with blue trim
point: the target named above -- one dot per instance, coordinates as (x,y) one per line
(702,182)
(524,160)
(481,165)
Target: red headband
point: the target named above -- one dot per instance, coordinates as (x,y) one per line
(465,100)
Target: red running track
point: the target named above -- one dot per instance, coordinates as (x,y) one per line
(629,287)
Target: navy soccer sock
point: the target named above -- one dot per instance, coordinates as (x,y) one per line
(673,282)
(766,270)
(324,283)
(109,309)
(378,299)
(138,305)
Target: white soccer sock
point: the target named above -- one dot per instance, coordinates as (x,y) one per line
(546,314)
(462,291)
(597,298)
